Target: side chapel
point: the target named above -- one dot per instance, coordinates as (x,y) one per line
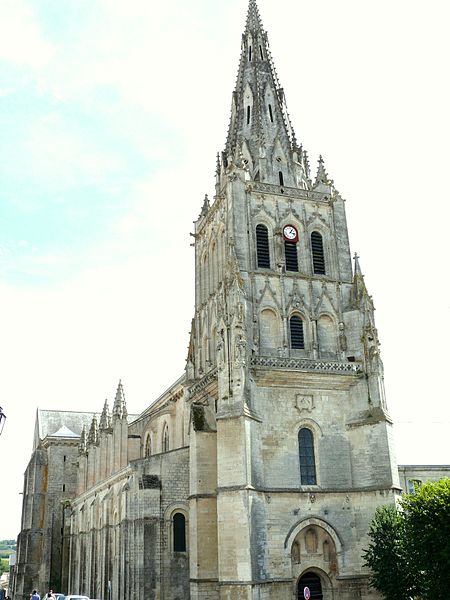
(257,473)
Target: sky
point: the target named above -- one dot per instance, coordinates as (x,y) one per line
(111,115)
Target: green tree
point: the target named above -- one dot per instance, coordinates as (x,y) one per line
(387,555)
(427,537)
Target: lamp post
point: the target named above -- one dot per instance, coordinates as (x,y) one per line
(2,419)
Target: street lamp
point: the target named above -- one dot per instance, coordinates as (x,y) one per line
(2,419)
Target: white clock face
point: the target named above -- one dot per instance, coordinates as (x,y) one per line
(289,232)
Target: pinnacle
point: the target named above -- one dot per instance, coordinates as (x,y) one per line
(105,418)
(119,409)
(322,175)
(357,266)
(205,207)
(254,22)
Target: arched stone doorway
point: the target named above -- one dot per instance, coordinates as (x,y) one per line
(312,581)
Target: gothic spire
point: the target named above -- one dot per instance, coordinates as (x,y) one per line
(253,18)
(120,407)
(260,133)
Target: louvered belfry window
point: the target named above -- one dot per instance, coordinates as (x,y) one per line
(290,253)
(262,247)
(317,253)
(297,335)
(307,459)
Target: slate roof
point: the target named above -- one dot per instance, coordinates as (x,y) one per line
(63,423)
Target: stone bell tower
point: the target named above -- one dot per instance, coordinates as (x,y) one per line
(290,438)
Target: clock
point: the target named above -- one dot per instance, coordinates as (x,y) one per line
(290,233)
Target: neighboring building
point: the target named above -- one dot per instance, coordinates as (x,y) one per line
(257,473)
(412,475)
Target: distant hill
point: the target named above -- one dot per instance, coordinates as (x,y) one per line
(6,547)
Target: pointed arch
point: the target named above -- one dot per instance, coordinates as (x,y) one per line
(327,336)
(269,330)
(309,521)
(165,442)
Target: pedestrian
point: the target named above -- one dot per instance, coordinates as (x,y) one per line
(35,596)
(50,595)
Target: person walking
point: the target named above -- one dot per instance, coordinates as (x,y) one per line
(35,596)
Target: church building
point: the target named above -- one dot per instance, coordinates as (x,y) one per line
(256,474)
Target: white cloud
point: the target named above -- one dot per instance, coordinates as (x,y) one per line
(60,153)
(21,41)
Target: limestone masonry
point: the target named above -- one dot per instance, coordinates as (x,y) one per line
(257,473)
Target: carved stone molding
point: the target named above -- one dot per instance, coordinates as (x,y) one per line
(207,379)
(270,188)
(305,364)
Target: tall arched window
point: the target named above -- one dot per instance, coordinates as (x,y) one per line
(165,439)
(179,532)
(148,446)
(262,247)
(296,331)
(307,459)
(317,253)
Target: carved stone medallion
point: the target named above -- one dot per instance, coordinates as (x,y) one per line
(304,403)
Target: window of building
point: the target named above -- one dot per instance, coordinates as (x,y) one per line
(412,484)
(165,440)
(262,247)
(280,177)
(248,115)
(261,52)
(270,113)
(148,446)
(250,54)
(297,334)
(290,253)
(307,460)
(179,532)
(317,253)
